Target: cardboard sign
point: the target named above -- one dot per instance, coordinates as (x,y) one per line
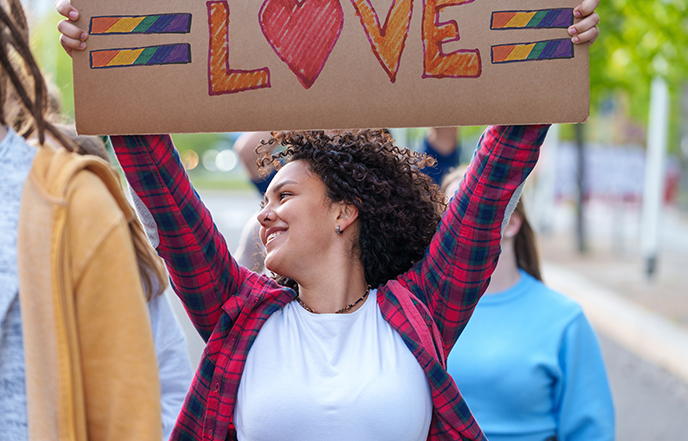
(159,66)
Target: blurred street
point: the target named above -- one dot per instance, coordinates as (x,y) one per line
(642,323)
(651,400)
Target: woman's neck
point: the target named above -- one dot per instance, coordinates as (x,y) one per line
(342,285)
(506,275)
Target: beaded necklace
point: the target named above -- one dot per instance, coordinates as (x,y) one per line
(339,311)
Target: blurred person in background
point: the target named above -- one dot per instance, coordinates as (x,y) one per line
(245,147)
(528,364)
(442,143)
(77,360)
(174,366)
(250,252)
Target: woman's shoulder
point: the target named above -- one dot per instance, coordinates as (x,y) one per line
(259,289)
(549,299)
(89,197)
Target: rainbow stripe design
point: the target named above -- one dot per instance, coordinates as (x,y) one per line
(541,50)
(144,56)
(539,19)
(141,24)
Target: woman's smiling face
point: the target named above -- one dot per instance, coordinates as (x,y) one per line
(297,221)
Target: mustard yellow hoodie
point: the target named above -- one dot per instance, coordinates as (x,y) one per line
(91,370)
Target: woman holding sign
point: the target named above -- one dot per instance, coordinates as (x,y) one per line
(373,285)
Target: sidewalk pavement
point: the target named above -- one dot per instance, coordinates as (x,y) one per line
(639,330)
(649,318)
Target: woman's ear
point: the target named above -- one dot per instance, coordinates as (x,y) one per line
(346,215)
(514,226)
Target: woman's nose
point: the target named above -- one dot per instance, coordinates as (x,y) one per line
(265,215)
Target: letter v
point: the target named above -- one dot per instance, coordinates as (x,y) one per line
(388,41)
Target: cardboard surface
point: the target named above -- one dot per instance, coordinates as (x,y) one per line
(181,66)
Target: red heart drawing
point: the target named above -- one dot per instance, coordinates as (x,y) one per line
(302,33)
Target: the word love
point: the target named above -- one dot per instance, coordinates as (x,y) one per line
(303,33)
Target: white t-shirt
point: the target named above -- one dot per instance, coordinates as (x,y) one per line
(332,377)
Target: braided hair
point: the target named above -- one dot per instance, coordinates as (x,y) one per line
(23,90)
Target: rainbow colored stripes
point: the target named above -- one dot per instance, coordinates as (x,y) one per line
(541,50)
(141,24)
(541,19)
(144,56)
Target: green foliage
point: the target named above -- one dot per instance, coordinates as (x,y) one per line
(54,62)
(639,40)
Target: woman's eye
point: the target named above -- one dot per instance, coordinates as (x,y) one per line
(283,195)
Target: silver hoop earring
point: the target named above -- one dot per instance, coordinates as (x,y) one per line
(339,230)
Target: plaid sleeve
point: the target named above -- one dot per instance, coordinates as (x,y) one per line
(202,271)
(462,255)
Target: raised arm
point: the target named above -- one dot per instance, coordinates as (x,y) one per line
(462,255)
(203,273)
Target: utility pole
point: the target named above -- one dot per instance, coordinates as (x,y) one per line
(653,191)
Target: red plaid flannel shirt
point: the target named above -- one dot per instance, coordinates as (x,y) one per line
(228,304)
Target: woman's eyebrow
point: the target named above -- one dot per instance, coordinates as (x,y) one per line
(276,190)
(279,186)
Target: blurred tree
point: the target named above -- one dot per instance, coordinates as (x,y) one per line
(639,40)
(54,62)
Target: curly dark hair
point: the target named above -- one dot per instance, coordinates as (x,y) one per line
(399,207)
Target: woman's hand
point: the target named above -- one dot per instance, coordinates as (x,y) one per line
(586,29)
(72,37)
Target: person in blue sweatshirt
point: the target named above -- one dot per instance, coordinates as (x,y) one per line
(528,363)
